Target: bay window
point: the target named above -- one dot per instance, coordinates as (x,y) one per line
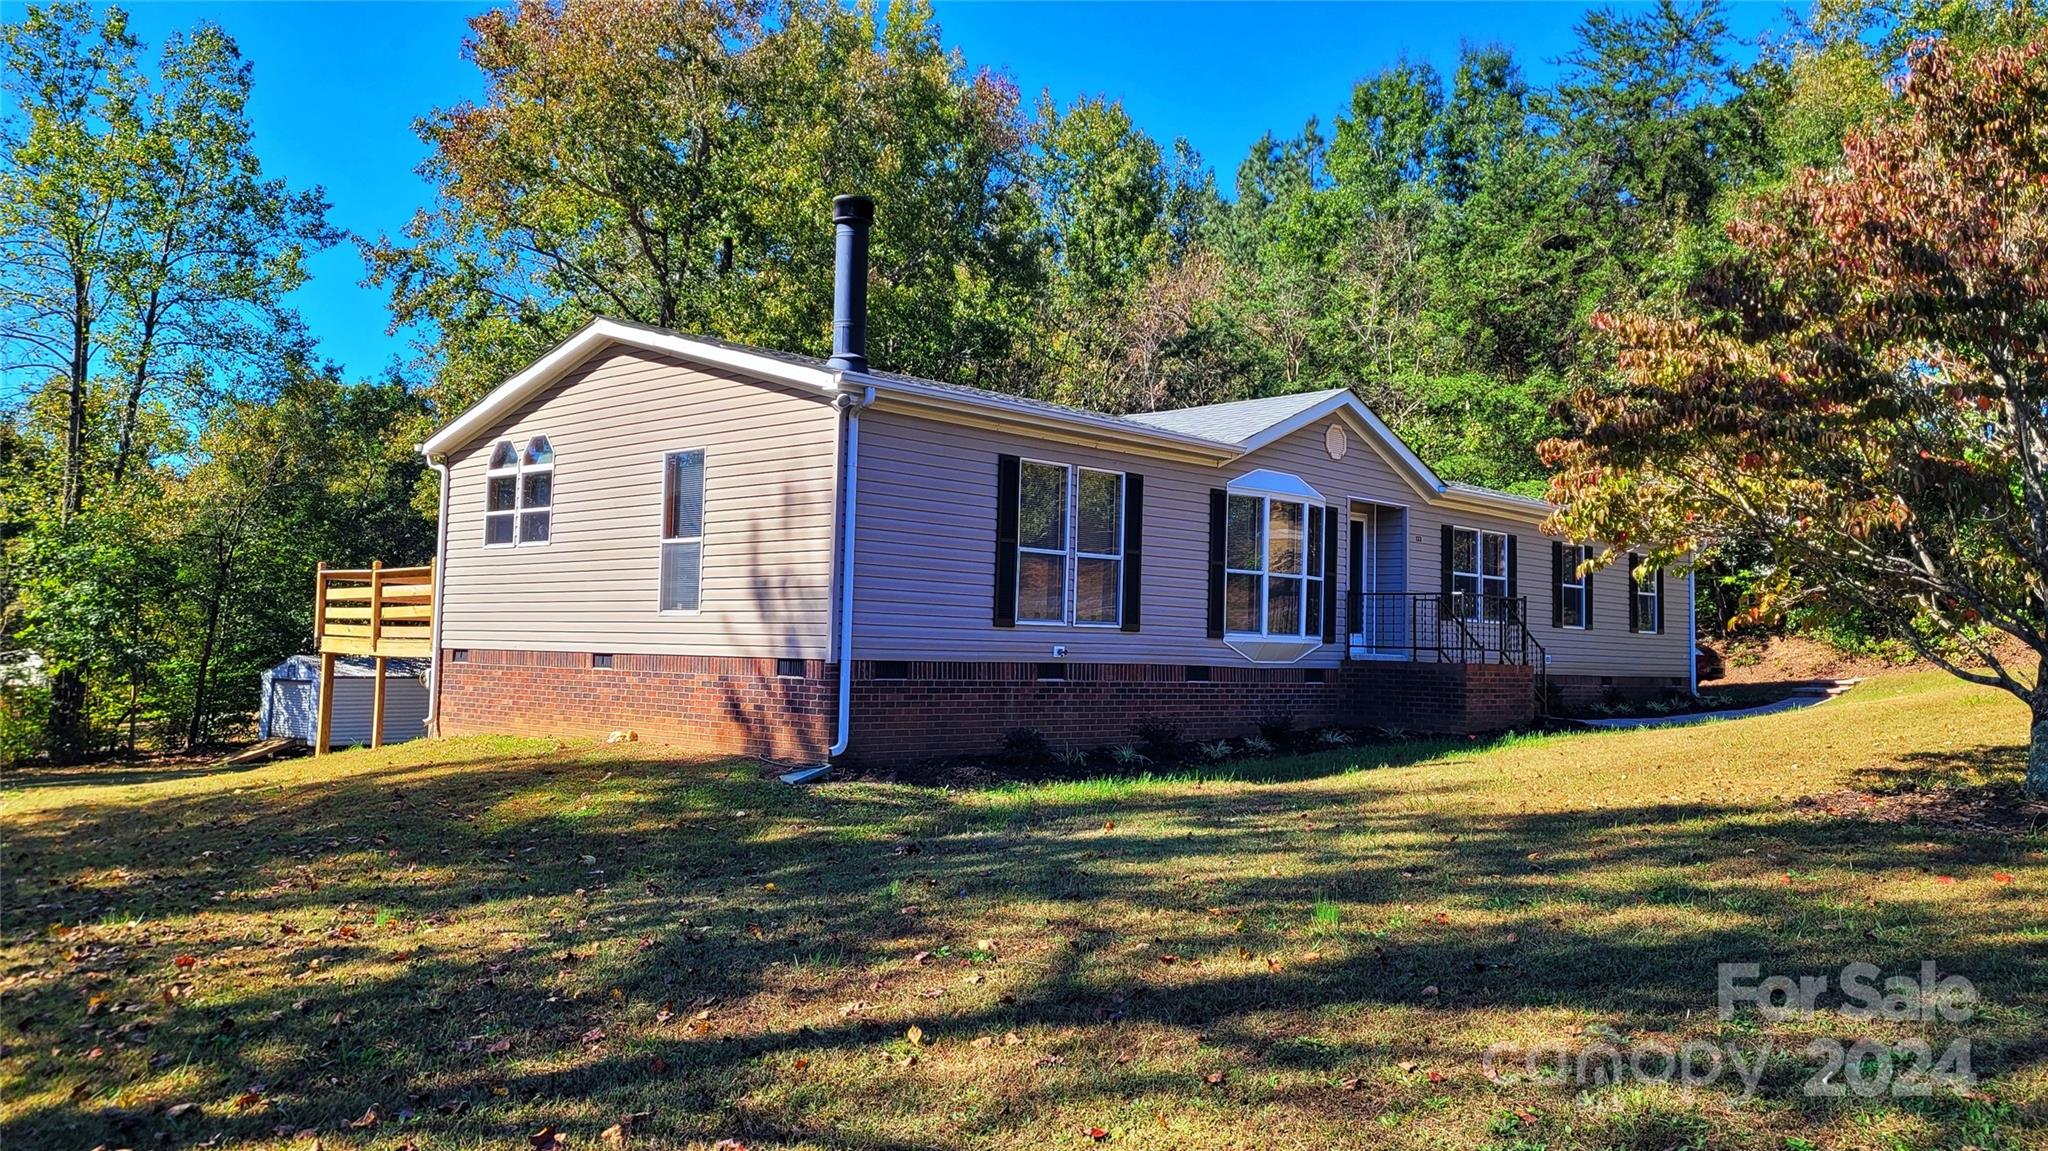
(1273,567)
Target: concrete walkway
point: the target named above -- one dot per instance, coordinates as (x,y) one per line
(1807,695)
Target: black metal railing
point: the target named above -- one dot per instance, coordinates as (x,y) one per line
(1447,629)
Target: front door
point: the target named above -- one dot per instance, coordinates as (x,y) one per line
(1361,563)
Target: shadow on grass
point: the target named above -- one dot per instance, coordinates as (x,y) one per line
(664,884)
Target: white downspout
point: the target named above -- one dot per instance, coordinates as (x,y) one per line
(849,519)
(440,466)
(1692,630)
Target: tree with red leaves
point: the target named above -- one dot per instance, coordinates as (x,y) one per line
(1863,386)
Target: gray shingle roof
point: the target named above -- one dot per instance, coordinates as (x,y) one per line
(1236,421)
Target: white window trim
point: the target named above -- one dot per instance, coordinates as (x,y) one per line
(1072,554)
(1645,591)
(1479,561)
(1264,646)
(519,470)
(663,539)
(1575,556)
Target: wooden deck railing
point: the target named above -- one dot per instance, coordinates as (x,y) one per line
(380,612)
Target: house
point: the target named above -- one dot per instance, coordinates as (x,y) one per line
(743,550)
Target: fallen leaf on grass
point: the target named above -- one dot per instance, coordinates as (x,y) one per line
(1351,1084)
(2000,877)
(367,1120)
(1944,879)
(1213,1078)
(184,961)
(1436,1076)
(1094,1134)
(728,1145)
(915,1035)
(547,1139)
(614,1136)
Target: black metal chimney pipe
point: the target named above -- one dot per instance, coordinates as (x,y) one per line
(853,215)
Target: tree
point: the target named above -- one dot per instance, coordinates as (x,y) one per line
(1864,385)
(147,260)
(674,164)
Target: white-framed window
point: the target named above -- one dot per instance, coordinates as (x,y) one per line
(1070,545)
(682,531)
(1272,567)
(1479,573)
(1648,603)
(1571,588)
(519,493)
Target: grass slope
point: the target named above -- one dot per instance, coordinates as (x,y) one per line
(461,944)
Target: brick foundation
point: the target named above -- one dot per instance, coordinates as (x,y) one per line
(1578,692)
(1453,698)
(714,705)
(940,709)
(916,711)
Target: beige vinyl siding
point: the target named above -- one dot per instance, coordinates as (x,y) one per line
(770,459)
(925,556)
(1608,647)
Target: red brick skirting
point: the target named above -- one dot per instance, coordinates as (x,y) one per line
(717,705)
(1576,692)
(921,710)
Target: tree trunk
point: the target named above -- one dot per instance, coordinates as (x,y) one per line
(224,558)
(2037,744)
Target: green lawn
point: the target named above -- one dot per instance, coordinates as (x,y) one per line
(464,943)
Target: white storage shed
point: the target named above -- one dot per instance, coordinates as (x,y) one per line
(290,706)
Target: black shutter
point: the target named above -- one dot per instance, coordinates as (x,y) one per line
(1444,607)
(1330,575)
(1514,566)
(1635,603)
(1219,521)
(1556,583)
(1663,609)
(1134,546)
(1007,474)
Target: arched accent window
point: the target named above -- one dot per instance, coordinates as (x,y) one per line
(519,488)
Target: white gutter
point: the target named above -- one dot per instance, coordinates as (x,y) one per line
(440,466)
(849,518)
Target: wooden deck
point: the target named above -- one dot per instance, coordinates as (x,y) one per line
(380,612)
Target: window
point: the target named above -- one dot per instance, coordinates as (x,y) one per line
(1571,587)
(1273,567)
(519,493)
(1648,603)
(682,530)
(1070,544)
(1479,573)
(789,668)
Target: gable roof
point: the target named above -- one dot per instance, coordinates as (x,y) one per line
(1219,433)
(1235,421)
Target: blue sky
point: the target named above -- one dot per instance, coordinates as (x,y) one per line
(339,84)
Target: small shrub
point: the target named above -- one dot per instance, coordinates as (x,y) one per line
(1128,755)
(1215,752)
(1070,758)
(1256,745)
(1026,746)
(1162,741)
(1276,727)
(1333,737)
